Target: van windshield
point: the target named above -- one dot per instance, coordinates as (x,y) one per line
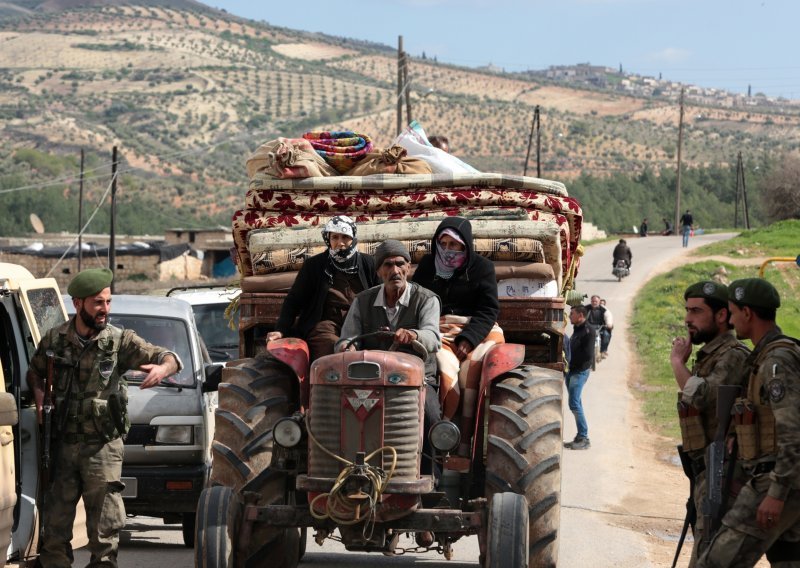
(221,341)
(168,333)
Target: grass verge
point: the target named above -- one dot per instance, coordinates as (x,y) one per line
(778,239)
(659,308)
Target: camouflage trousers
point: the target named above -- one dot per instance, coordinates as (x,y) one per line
(91,471)
(699,497)
(741,542)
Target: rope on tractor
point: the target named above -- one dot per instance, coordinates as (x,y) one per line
(353,509)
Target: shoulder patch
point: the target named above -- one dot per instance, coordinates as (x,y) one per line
(776,390)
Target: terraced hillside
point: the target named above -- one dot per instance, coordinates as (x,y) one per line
(186,92)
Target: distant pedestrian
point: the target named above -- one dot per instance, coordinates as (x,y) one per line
(686,223)
(667,227)
(581,346)
(643,228)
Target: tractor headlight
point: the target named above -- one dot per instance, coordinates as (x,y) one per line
(444,436)
(287,432)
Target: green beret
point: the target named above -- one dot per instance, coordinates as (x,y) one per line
(708,290)
(90,282)
(754,292)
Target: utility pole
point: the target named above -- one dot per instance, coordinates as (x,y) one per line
(535,126)
(112,256)
(407,88)
(678,180)
(80,216)
(741,190)
(399,101)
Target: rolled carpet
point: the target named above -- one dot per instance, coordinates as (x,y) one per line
(342,149)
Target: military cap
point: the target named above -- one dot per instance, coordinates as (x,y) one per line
(754,292)
(90,282)
(707,289)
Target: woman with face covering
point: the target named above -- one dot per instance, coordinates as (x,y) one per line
(467,286)
(321,295)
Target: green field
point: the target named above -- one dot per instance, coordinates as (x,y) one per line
(658,311)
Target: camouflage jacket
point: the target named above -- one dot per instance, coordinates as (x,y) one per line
(86,375)
(775,382)
(719,362)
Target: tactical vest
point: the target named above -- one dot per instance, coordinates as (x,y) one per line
(90,392)
(374,318)
(698,428)
(755,423)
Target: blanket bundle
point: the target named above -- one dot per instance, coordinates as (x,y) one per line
(286,158)
(342,149)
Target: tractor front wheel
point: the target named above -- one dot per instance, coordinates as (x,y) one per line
(524,448)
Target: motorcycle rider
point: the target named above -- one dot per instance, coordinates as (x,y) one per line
(600,319)
(622,252)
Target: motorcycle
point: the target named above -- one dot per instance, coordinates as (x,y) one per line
(620,270)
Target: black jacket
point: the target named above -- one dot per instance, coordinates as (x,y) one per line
(581,346)
(471,291)
(306,298)
(623,252)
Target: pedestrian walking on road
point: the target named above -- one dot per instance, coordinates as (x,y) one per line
(88,357)
(643,228)
(686,223)
(581,346)
(765,518)
(718,362)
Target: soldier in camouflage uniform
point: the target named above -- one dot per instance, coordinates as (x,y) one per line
(718,362)
(766,515)
(90,396)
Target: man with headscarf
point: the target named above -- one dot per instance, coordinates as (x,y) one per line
(316,305)
(467,286)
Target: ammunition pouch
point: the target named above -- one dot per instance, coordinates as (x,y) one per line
(693,431)
(747,429)
(118,409)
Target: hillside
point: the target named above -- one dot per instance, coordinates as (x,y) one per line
(186,92)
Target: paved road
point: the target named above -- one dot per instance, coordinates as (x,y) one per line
(604,489)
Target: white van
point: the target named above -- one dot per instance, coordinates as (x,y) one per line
(211,304)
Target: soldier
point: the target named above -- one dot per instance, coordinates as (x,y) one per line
(766,514)
(718,362)
(90,395)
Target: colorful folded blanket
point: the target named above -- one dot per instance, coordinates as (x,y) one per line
(342,149)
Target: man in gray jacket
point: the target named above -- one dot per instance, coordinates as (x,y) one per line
(406,308)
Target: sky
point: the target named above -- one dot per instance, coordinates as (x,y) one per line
(728,44)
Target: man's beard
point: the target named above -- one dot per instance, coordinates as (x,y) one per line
(90,322)
(702,336)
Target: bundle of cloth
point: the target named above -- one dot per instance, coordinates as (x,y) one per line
(286,158)
(341,149)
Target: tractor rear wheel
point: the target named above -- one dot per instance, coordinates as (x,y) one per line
(507,532)
(254,395)
(524,448)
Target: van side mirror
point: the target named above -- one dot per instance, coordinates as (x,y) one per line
(213,376)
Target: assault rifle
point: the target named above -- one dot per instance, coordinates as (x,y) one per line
(48,409)
(717,479)
(691,511)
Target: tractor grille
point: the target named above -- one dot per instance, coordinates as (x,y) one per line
(393,421)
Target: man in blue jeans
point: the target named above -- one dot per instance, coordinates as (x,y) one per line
(581,351)
(686,223)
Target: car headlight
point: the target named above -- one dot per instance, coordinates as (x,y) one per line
(174,435)
(287,432)
(444,436)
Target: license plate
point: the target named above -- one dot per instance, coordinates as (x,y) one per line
(131,488)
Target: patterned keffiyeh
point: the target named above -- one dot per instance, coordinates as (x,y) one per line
(342,149)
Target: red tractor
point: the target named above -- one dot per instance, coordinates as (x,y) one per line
(336,446)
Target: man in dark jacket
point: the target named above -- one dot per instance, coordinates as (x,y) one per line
(581,346)
(622,252)
(318,301)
